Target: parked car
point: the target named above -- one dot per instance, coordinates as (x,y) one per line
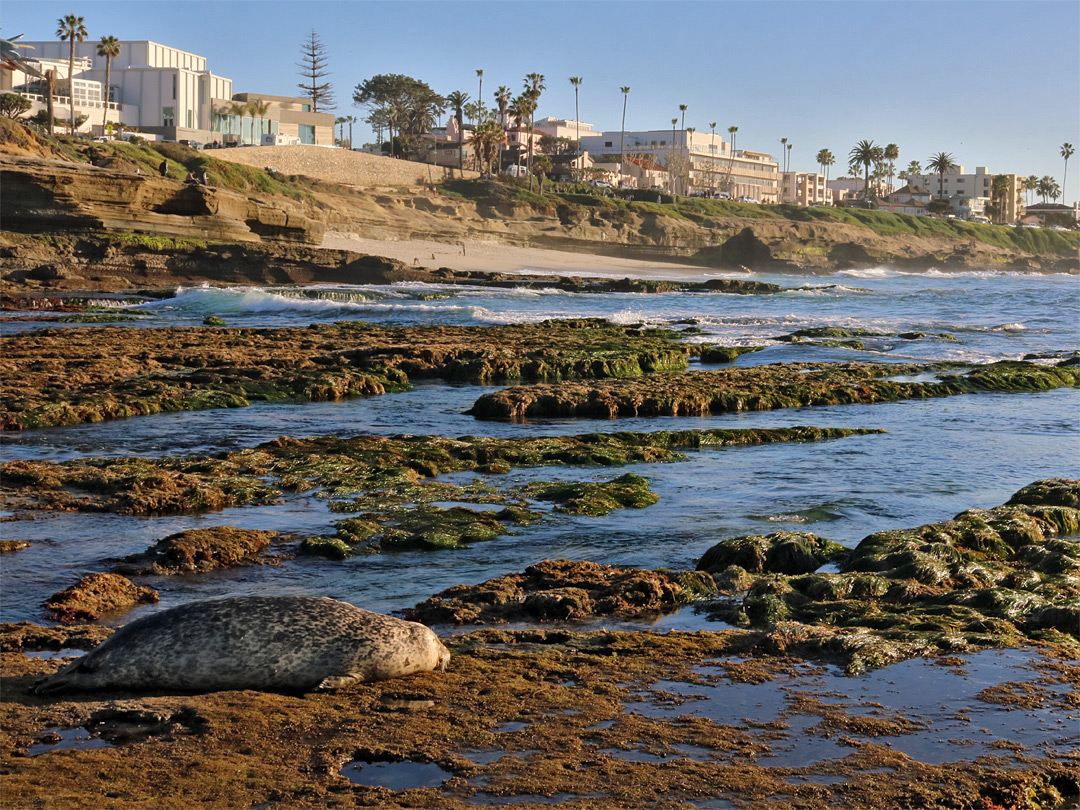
(746,199)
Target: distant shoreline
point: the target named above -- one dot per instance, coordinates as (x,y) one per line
(495,257)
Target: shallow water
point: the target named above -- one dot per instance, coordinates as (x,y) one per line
(939,457)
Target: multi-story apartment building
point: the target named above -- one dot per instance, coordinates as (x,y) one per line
(970,193)
(695,161)
(802,188)
(163,91)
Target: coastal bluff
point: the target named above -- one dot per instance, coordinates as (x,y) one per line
(53,195)
(70,224)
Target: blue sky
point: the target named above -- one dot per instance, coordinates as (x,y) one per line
(995,83)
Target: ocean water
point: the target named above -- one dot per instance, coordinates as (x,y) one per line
(938,457)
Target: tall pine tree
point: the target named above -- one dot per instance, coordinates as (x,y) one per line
(313,69)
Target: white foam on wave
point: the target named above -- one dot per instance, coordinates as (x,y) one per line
(214,300)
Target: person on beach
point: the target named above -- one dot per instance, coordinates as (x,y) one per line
(163,169)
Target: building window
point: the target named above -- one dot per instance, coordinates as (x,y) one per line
(305,107)
(174,86)
(663,143)
(168,116)
(608,144)
(307,133)
(189,119)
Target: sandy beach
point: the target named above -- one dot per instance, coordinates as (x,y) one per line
(496,258)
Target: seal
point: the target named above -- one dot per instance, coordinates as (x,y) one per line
(291,644)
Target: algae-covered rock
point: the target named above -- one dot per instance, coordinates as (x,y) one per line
(343,467)
(769,387)
(213,320)
(199,550)
(777,553)
(96,595)
(329,547)
(725,354)
(562,590)
(1049,492)
(8,546)
(598,498)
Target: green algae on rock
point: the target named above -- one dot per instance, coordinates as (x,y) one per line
(777,553)
(561,590)
(701,393)
(62,377)
(992,577)
(725,354)
(96,595)
(199,550)
(599,497)
(338,467)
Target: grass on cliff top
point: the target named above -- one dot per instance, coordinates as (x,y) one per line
(586,198)
(123,156)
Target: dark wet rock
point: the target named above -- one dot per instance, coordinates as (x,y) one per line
(597,498)
(345,467)
(99,374)
(96,595)
(199,550)
(8,546)
(700,393)
(1049,492)
(561,590)
(987,577)
(725,354)
(213,320)
(27,637)
(777,553)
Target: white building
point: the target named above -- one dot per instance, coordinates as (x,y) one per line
(805,188)
(696,161)
(164,91)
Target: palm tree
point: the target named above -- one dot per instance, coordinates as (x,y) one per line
(502,99)
(683,108)
(480,95)
(457,100)
(540,167)
(789,155)
(914,169)
(576,81)
(351,119)
(671,154)
(340,123)
(891,153)
(731,159)
(109,47)
(862,154)
(534,86)
(71,28)
(1067,152)
(783,153)
(1031,183)
(257,108)
(941,163)
(712,150)
(625,90)
(830,159)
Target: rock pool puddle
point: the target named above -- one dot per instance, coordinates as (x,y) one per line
(395,775)
(67,739)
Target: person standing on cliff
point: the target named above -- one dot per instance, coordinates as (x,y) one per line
(163,169)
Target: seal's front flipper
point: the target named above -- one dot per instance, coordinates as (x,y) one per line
(336,682)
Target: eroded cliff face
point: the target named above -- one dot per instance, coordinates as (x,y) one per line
(50,195)
(754,243)
(259,238)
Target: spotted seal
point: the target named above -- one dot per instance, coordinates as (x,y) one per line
(287,644)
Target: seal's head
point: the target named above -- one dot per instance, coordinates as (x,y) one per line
(80,675)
